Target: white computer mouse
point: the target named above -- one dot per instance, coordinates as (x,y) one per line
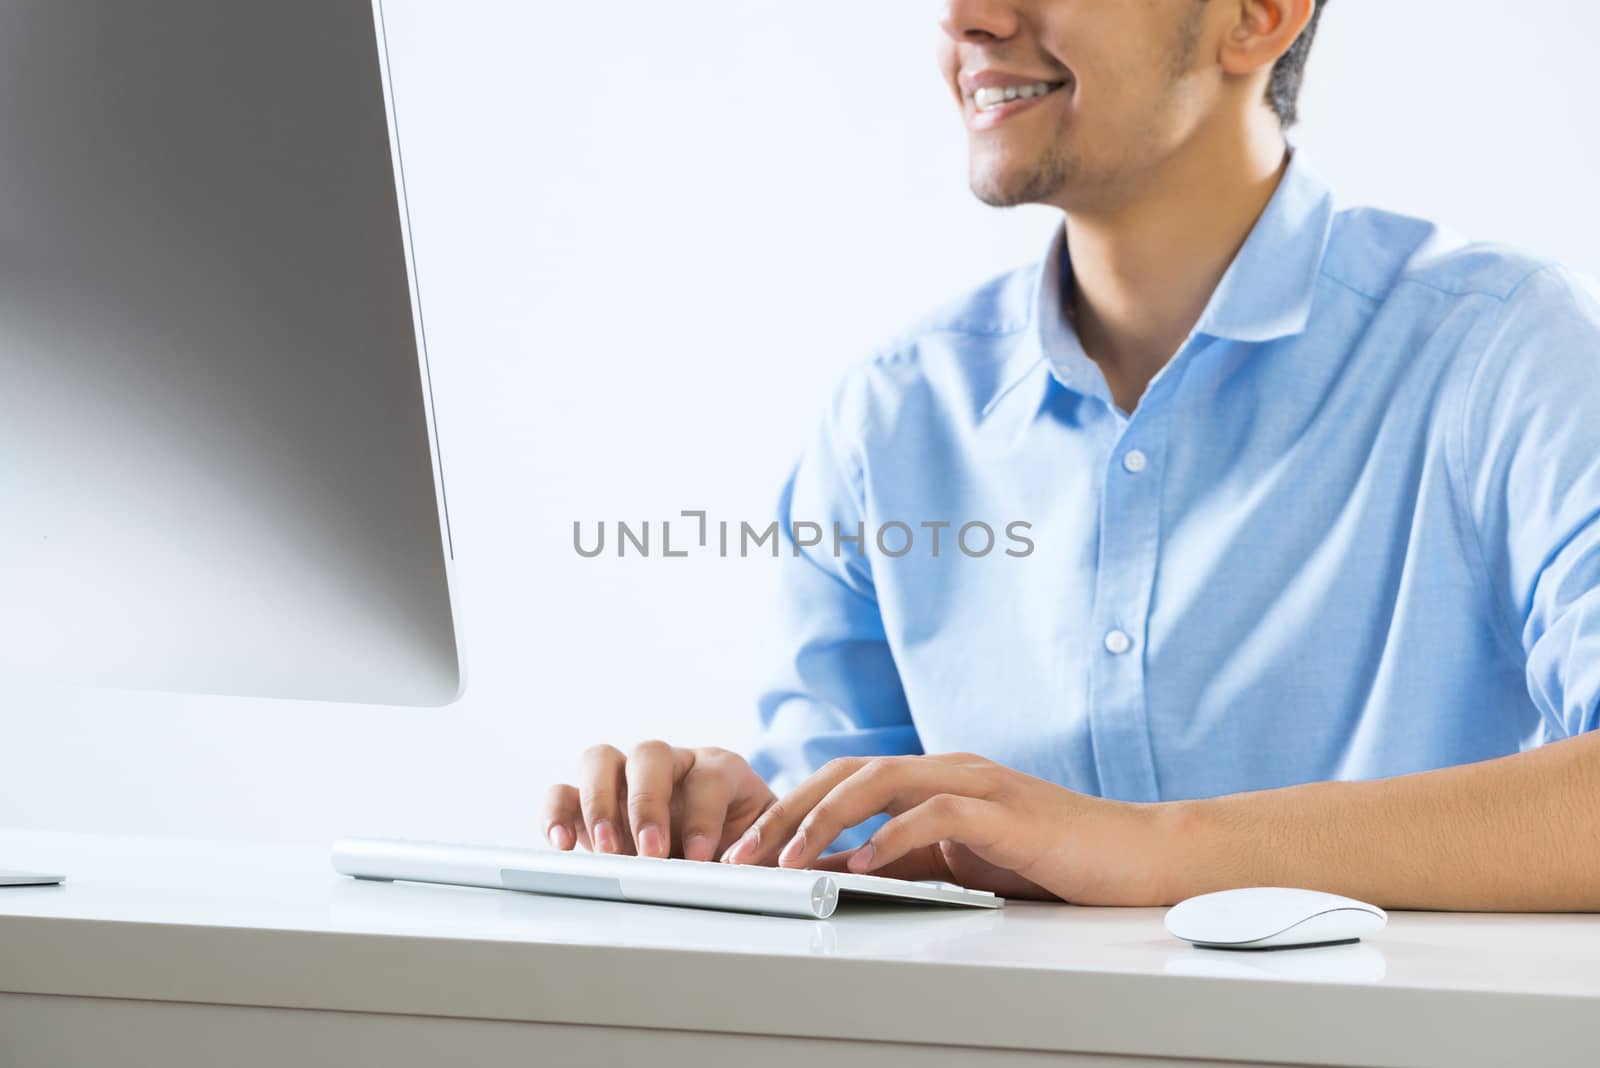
(1272,917)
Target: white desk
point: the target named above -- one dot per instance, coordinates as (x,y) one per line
(207,953)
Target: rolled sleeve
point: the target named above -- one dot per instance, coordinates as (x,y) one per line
(1532,443)
(831,687)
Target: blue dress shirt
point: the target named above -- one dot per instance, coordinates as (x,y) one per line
(1351,530)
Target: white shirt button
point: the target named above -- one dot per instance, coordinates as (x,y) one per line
(1134,461)
(1118,643)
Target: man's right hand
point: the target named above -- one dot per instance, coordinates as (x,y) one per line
(657,801)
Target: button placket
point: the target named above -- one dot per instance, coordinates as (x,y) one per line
(1129,545)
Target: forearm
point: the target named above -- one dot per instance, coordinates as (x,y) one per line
(1521,833)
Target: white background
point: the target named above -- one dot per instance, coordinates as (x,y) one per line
(649,237)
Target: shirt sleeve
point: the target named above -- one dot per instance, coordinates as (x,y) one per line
(831,687)
(1532,443)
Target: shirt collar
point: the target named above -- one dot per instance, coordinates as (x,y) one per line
(1265,294)
(1267,291)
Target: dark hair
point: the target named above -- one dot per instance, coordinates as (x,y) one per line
(1283,90)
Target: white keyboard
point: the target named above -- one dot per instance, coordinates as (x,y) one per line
(694,883)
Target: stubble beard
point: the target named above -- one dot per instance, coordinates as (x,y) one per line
(1038,183)
(1058,169)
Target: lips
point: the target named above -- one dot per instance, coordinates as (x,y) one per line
(988,98)
(993,78)
(980,118)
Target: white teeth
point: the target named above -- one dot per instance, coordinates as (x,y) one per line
(989,99)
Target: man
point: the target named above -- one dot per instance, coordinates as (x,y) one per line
(1314,502)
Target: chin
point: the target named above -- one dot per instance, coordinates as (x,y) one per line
(1013,187)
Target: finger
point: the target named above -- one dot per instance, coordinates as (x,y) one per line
(653,770)
(707,793)
(917,865)
(941,818)
(891,786)
(599,792)
(563,816)
(777,824)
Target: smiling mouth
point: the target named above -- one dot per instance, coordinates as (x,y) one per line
(986,100)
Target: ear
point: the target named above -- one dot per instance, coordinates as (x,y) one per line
(1263,32)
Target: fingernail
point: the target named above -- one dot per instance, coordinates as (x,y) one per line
(650,841)
(559,836)
(605,837)
(698,847)
(792,851)
(744,847)
(861,859)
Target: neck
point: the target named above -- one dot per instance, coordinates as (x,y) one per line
(1145,264)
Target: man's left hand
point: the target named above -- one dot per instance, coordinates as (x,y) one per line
(963,819)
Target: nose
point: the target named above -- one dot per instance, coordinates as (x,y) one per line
(977,21)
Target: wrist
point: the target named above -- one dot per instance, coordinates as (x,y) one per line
(1195,850)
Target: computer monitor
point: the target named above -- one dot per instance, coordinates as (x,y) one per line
(218,465)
